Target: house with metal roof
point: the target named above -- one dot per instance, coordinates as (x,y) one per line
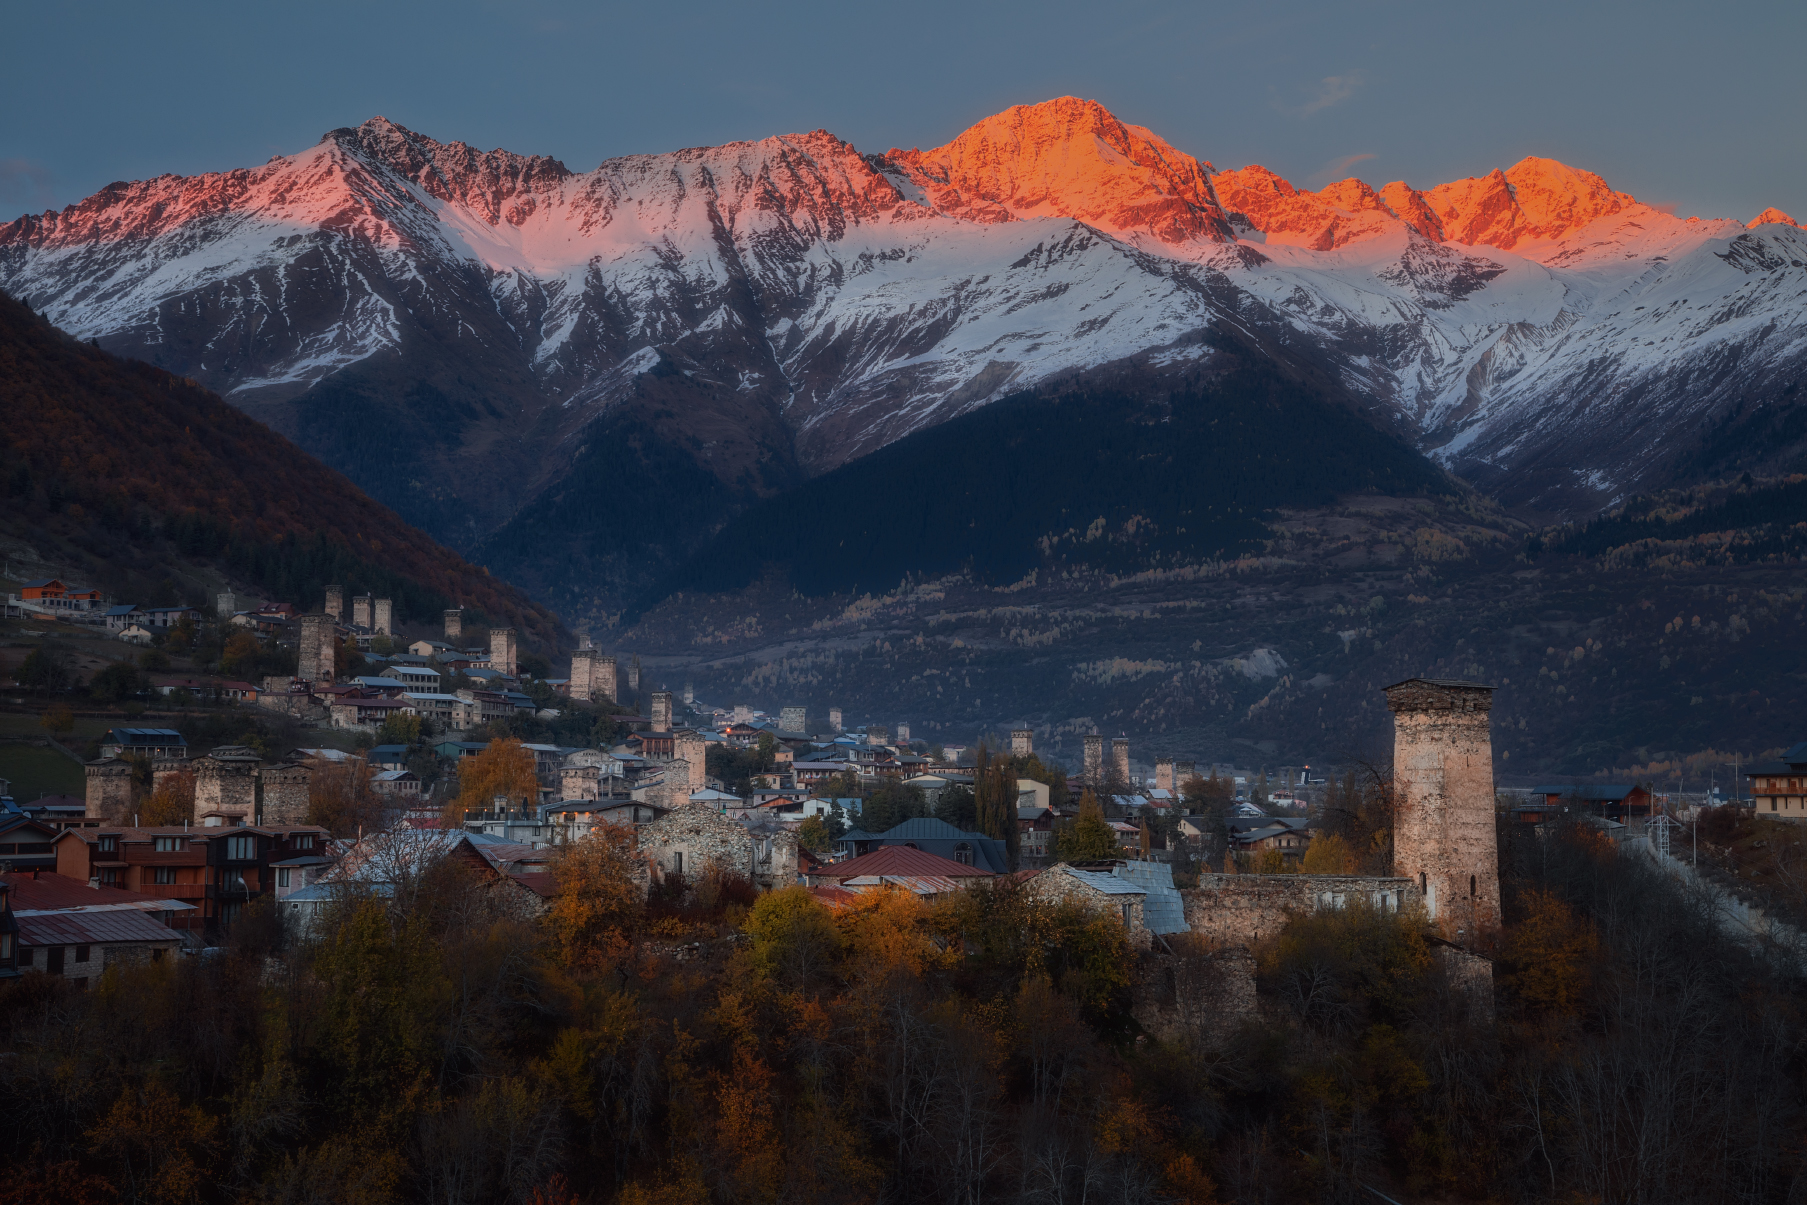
(933,836)
(143,742)
(1779,788)
(1097,889)
(1609,801)
(902,867)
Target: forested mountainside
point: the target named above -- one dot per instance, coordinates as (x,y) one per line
(1115,478)
(127,471)
(672,338)
(1642,639)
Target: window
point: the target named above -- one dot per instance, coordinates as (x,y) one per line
(677,863)
(6,946)
(167,845)
(229,913)
(963,854)
(157,955)
(241,849)
(109,844)
(1471,887)
(163,875)
(53,960)
(25,953)
(304,841)
(282,876)
(110,875)
(81,953)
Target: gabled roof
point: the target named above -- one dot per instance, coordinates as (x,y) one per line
(90,928)
(924,828)
(1100,881)
(1594,793)
(59,893)
(904,861)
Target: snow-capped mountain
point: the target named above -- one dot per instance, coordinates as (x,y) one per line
(458,329)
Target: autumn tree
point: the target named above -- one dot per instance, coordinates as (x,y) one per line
(1329,854)
(505,769)
(57,719)
(171,801)
(813,835)
(342,799)
(601,888)
(1090,838)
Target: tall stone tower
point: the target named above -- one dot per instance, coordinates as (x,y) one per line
(603,681)
(633,679)
(1120,759)
(383,621)
(502,650)
(225,783)
(688,747)
(1022,742)
(793,719)
(360,611)
(225,603)
(282,793)
(661,716)
(335,602)
(583,674)
(1163,774)
(1443,833)
(1094,758)
(109,789)
(1182,773)
(903,734)
(454,623)
(834,719)
(319,649)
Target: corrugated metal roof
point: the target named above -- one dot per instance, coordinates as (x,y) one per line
(90,928)
(1162,910)
(1103,883)
(902,860)
(920,884)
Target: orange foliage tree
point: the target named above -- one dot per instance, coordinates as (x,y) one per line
(171,802)
(601,886)
(342,799)
(505,769)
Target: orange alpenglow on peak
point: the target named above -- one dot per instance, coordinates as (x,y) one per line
(1068,158)
(1533,201)
(1772,214)
(1343,212)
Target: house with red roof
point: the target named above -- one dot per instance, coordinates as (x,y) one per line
(914,870)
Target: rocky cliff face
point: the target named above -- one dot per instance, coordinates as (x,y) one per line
(480,337)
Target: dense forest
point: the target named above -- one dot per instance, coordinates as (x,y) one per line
(708,1044)
(117,462)
(1108,478)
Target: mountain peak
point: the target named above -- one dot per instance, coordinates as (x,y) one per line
(1072,158)
(452,171)
(1772,214)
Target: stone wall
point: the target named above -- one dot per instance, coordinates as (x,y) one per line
(688,841)
(1443,828)
(1241,909)
(1192,994)
(775,861)
(109,789)
(284,790)
(1054,885)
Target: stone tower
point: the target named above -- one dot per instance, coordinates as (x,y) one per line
(604,680)
(383,620)
(1163,774)
(661,716)
(580,782)
(225,603)
(109,789)
(689,693)
(1120,759)
(225,783)
(583,674)
(282,794)
(903,734)
(1094,759)
(502,651)
(1443,833)
(1182,774)
(335,602)
(319,649)
(1022,742)
(454,623)
(688,747)
(793,719)
(834,719)
(167,771)
(360,611)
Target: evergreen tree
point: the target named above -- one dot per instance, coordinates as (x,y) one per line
(1090,839)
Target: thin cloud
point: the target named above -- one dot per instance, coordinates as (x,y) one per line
(1333,90)
(24,183)
(1338,169)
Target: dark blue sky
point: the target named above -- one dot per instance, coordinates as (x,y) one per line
(1695,106)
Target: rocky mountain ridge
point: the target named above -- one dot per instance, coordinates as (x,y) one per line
(739,318)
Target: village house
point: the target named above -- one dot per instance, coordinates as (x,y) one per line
(217,871)
(1609,801)
(900,867)
(1098,890)
(143,742)
(26,843)
(933,836)
(1779,788)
